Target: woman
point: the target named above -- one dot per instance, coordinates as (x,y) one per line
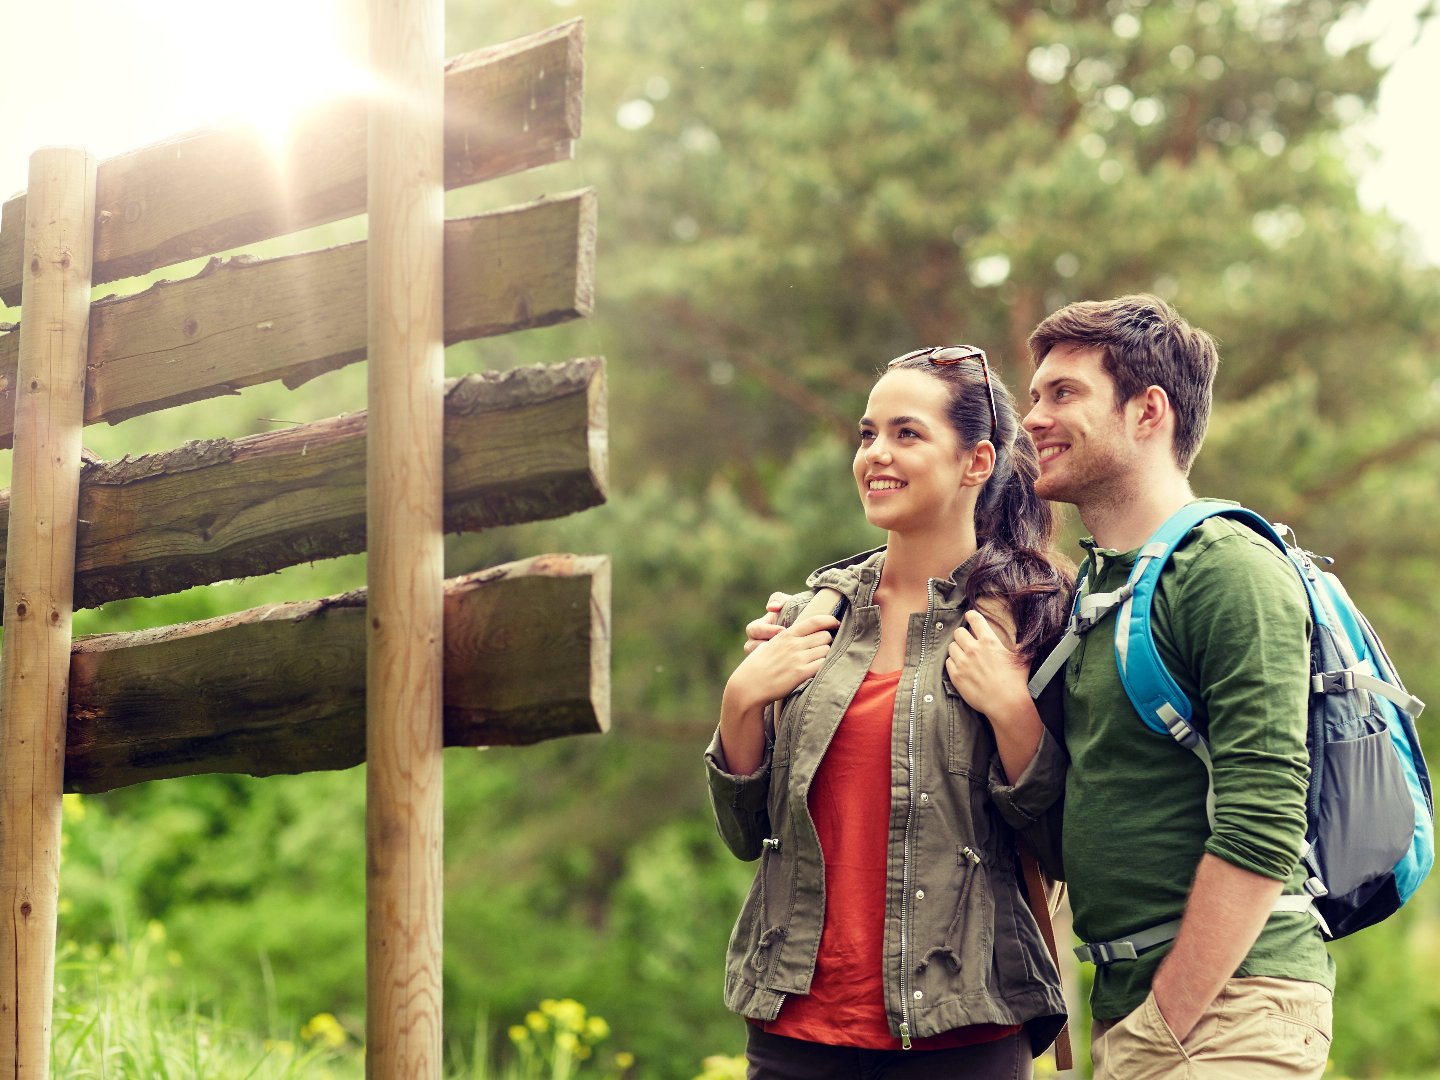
(886,933)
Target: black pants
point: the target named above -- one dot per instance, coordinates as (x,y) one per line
(776,1057)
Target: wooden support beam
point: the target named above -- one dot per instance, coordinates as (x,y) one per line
(508,108)
(281,689)
(521,445)
(404,793)
(39,579)
(244,321)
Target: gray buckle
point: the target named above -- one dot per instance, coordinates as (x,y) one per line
(1333,682)
(1106,952)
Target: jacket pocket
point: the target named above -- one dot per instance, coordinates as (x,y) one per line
(790,709)
(960,964)
(753,940)
(968,742)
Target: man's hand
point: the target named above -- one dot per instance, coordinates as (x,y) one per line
(768,625)
(1226,910)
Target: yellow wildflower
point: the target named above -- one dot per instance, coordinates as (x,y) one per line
(72,808)
(569,1014)
(324,1028)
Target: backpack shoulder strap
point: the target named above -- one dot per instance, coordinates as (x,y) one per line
(1162,705)
(1085,612)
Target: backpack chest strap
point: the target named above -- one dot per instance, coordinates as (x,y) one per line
(1089,609)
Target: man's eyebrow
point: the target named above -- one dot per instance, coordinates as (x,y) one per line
(1046,384)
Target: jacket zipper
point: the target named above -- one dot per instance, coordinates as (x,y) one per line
(909,824)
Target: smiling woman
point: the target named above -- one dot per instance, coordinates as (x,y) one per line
(136,71)
(918,673)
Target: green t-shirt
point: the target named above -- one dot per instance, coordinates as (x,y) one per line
(1231,623)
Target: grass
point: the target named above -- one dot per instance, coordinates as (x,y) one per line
(119,1015)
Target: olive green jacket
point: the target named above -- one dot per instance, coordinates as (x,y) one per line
(960,944)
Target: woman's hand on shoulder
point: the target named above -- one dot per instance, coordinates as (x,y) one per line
(767,626)
(983,666)
(776,666)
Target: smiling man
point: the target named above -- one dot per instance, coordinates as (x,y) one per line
(1121,398)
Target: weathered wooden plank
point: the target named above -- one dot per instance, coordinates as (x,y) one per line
(508,108)
(281,689)
(520,445)
(244,321)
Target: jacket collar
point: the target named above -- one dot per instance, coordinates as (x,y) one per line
(856,577)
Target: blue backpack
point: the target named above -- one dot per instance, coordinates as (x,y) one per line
(1369,810)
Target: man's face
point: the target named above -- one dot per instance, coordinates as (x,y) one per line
(1085,449)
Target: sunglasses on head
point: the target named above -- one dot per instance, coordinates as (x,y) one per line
(945,356)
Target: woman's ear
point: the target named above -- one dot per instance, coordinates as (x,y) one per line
(980,466)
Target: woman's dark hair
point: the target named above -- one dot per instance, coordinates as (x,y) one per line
(1016,561)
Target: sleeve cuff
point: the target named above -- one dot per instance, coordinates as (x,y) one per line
(1039,786)
(746,793)
(1274,864)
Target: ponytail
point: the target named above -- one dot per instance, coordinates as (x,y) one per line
(1017,561)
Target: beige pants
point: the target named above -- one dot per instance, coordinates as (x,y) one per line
(1257,1029)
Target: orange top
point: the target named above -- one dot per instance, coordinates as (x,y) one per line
(850,803)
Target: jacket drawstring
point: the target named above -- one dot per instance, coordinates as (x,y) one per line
(774,933)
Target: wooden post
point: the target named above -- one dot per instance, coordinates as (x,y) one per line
(404,741)
(39,581)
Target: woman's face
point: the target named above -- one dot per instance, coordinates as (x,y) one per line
(910,467)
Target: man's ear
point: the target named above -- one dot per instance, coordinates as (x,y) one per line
(982,464)
(1150,409)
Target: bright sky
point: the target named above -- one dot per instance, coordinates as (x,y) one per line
(117,74)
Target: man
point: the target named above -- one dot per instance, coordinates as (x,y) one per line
(1121,395)
(1121,399)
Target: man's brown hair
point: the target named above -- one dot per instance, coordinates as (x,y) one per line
(1143,342)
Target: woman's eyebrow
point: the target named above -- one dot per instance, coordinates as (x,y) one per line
(895,421)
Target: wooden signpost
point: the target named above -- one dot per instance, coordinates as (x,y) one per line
(391,674)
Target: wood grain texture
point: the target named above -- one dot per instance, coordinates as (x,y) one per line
(243,321)
(508,108)
(281,689)
(39,578)
(404,773)
(522,445)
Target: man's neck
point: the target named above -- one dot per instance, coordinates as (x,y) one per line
(1124,524)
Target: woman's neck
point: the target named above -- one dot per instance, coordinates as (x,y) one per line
(911,561)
